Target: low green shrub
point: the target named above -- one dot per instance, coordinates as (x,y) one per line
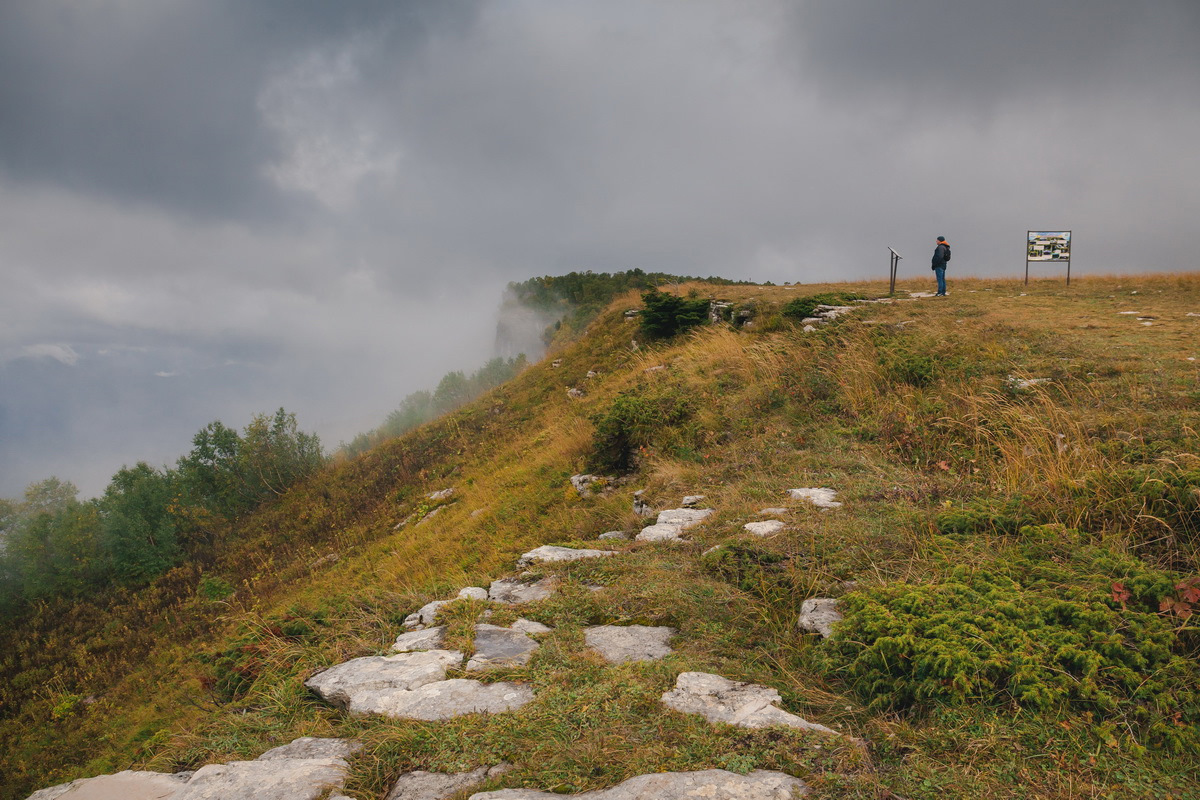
(1004,515)
(1023,632)
(640,418)
(802,307)
(747,566)
(666,314)
(1152,496)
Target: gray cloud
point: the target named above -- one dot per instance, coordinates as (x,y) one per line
(210,209)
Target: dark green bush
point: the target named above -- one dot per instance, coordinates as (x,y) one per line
(666,314)
(1149,497)
(991,516)
(747,566)
(640,418)
(1023,634)
(802,307)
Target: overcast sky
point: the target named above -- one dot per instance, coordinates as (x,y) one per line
(213,208)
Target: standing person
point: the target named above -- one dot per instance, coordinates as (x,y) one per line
(941,254)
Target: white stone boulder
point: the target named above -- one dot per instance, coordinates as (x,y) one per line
(692,500)
(709,784)
(553,553)
(660,532)
(530,627)
(362,684)
(473,593)
(621,643)
(773,512)
(127,785)
(746,705)
(614,535)
(515,592)
(422,785)
(425,615)
(818,615)
(500,648)
(427,639)
(683,517)
(821,498)
(764,528)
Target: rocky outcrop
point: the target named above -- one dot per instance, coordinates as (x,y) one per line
(422,785)
(671,523)
(746,705)
(712,784)
(500,648)
(818,615)
(821,498)
(553,553)
(305,769)
(621,643)
(516,592)
(764,528)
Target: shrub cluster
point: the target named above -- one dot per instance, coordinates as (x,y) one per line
(1024,632)
(666,314)
(637,419)
(802,307)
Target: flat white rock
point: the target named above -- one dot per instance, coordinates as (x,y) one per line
(530,627)
(660,532)
(500,648)
(421,785)
(428,639)
(622,643)
(127,785)
(710,784)
(424,615)
(773,512)
(746,705)
(821,498)
(550,553)
(683,517)
(473,593)
(513,591)
(357,685)
(764,528)
(818,614)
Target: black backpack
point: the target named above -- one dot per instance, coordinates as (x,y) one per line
(947,258)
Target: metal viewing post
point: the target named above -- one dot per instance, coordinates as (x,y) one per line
(1048,246)
(895,265)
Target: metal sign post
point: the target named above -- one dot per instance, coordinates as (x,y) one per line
(895,265)
(1048,246)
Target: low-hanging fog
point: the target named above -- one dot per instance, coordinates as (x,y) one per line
(213,208)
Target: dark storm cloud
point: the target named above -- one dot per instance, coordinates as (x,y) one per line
(212,208)
(158,102)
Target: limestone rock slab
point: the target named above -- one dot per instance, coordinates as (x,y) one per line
(361,684)
(818,614)
(500,648)
(310,747)
(819,497)
(513,591)
(553,553)
(473,593)
(710,784)
(421,785)
(451,698)
(613,535)
(764,528)
(427,639)
(127,785)
(621,643)
(683,517)
(530,627)
(424,615)
(660,532)
(746,705)
(691,501)
(283,779)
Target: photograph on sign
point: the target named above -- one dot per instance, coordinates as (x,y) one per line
(1049,246)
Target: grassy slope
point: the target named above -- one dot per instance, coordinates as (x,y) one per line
(906,409)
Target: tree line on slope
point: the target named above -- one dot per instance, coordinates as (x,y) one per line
(148,519)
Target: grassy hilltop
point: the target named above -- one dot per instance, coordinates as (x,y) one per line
(1016,559)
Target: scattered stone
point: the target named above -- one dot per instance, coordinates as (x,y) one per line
(305,769)
(509,590)
(655,368)
(444,494)
(746,705)
(1147,324)
(918,295)
(127,785)
(573,393)
(500,648)
(818,614)
(585,484)
(660,533)
(683,517)
(424,616)
(692,500)
(592,373)
(1192,314)
(332,558)
(432,513)
(773,512)
(640,506)
(614,535)
(1129,312)
(809,329)
(821,498)
(765,528)
(422,785)
(473,593)
(556,363)
(530,627)
(413,686)
(552,553)
(621,643)
(428,639)
(1025,383)
(631,313)
(715,784)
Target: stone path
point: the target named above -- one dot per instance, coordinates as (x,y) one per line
(412,683)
